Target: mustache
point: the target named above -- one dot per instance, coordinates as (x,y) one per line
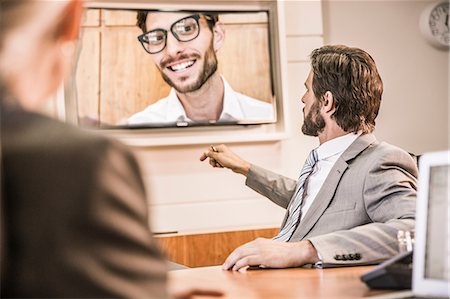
(171,59)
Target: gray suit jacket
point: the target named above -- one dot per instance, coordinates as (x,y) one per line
(367,197)
(74,215)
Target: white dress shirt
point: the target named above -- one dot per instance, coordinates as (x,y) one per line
(328,153)
(236,107)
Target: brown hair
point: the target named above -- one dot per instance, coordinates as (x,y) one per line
(351,75)
(142,18)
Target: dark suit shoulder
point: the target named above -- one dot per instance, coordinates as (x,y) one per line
(30,133)
(46,155)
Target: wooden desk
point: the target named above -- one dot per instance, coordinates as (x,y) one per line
(275,284)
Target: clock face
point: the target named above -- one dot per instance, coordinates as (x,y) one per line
(439,24)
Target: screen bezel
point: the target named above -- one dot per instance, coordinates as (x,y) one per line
(423,285)
(192,134)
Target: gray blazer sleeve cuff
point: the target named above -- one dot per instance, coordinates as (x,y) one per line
(338,258)
(364,245)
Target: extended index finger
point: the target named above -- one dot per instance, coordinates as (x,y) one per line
(204,156)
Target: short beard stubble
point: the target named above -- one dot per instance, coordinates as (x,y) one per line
(313,123)
(209,68)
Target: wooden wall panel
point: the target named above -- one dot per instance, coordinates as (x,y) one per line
(119,17)
(210,249)
(91,18)
(130,80)
(245,61)
(88,76)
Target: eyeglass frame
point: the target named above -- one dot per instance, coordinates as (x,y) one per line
(196,17)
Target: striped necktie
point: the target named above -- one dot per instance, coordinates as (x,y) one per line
(295,210)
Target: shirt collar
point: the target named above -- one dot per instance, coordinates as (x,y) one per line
(336,146)
(231,108)
(175,109)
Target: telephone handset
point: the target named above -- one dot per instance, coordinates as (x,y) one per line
(395,273)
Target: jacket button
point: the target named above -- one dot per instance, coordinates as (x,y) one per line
(357,256)
(337,257)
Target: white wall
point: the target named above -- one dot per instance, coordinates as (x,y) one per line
(415,108)
(187,195)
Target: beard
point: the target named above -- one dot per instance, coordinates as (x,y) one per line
(209,68)
(313,123)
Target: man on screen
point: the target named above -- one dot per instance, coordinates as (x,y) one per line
(183,46)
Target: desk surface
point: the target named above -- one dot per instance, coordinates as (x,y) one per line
(283,283)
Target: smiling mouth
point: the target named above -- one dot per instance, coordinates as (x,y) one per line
(181,66)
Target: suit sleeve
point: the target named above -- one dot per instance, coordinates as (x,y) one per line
(113,253)
(389,196)
(275,187)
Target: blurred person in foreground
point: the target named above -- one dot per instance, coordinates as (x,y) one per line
(74,217)
(353,193)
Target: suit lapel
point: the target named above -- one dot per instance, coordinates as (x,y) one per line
(359,145)
(322,200)
(329,187)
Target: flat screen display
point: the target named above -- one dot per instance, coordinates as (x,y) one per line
(141,68)
(437,243)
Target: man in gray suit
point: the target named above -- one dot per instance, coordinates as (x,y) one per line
(353,194)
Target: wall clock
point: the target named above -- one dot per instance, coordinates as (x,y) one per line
(434,24)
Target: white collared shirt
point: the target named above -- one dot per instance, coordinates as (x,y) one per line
(236,107)
(328,153)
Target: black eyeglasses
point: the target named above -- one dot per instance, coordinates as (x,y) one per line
(184,30)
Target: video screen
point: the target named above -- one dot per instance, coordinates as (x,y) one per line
(150,68)
(438,234)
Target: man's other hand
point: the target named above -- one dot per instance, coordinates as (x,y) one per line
(268,253)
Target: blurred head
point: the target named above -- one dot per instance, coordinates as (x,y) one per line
(37,46)
(352,78)
(185,63)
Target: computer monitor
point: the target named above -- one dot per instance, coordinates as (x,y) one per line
(121,83)
(116,78)
(431,272)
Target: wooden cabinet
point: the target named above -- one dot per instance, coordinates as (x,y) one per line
(209,249)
